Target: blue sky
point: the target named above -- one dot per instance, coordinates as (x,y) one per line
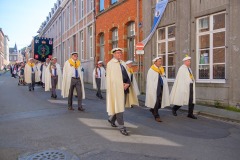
(21,19)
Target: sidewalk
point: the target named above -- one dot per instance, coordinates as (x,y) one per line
(199,109)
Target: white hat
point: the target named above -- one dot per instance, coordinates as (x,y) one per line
(129,61)
(74,53)
(186,58)
(116,49)
(99,62)
(155,59)
(54,58)
(30,59)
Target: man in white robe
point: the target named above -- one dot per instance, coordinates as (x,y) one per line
(53,77)
(132,98)
(183,91)
(72,82)
(118,84)
(99,79)
(29,74)
(157,92)
(44,67)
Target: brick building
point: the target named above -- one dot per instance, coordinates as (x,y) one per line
(118,24)
(71,24)
(207,31)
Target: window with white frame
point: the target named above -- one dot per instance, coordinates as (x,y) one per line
(64,52)
(101,47)
(82,8)
(101,5)
(166,49)
(69,17)
(64,21)
(82,45)
(115,38)
(74,11)
(131,40)
(69,46)
(211,50)
(90,41)
(89,5)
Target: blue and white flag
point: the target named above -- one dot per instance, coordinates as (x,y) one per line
(159,10)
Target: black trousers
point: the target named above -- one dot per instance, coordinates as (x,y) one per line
(190,101)
(158,104)
(75,83)
(98,83)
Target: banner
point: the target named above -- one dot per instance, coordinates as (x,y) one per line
(43,48)
(159,10)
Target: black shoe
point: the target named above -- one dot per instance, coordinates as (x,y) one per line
(191,116)
(124,132)
(55,96)
(112,123)
(81,109)
(29,89)
(52,96)
(151,110)
(70,108)
(33,88)
(101,97)
(174,112)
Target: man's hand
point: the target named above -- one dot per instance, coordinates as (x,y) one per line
(125,86)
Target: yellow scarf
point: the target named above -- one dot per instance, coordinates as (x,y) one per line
(73,64)
(159,70)
(30,64)
(130,70)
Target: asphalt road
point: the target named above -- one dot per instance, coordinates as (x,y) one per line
(31,122)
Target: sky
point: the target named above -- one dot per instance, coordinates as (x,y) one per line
(21,19)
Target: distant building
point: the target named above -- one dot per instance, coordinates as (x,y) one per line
(205,30)
(6,50)
(13,54)
(1,48)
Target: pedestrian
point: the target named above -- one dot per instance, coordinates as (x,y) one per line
(99,79)
(21,74)
(157,92)
(183,90)
(44,66)
(118,84)
(29,74)
(72,82)
(53,77)
(132,98)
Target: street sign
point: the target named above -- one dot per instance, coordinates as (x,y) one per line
(140,52)
(139,46)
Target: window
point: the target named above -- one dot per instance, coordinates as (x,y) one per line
(166,49)
(64,52)
(74,43)
(68,46)
(115,38)
(89,5)
(81,45)
(90,40)
(101,47)
(101,6)
(211,54)
(74,11)
(131,40)
(82,8)
(113,1)
(64,21)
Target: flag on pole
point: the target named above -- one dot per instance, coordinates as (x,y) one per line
(159,10)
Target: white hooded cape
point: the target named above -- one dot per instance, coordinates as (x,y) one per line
(151,90)
(181,90)
(103,79)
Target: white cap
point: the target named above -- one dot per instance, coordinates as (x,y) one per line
(54,58)
(30,59)
(99,62)
(186,58)
(155,59)
(74,53)
(129,61)
(116,49)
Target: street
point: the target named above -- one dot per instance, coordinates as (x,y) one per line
(31,122)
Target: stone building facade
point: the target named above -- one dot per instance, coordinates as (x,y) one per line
(205,30)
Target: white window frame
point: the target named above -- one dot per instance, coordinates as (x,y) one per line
(131,35)
(81,48)
(166,41)
(210,33)
(115,34)
(90,40)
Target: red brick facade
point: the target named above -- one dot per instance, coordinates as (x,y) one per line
(117,15)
